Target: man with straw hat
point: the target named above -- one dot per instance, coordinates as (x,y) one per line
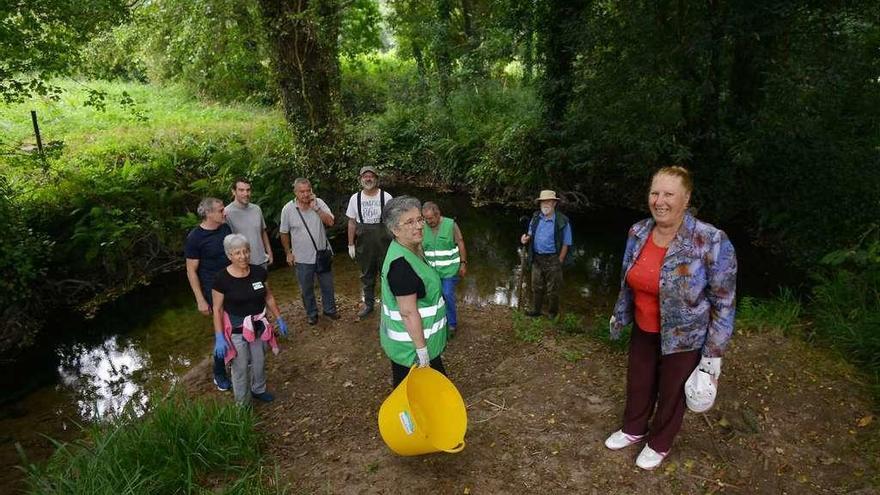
(548,241)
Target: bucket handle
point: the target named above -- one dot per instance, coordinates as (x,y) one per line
(458,448)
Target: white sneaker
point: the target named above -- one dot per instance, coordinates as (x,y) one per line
(649,458)
(619,440)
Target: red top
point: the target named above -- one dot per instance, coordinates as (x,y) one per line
(644,279)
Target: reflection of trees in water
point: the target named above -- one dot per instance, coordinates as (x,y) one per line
(107,378)
(497,275)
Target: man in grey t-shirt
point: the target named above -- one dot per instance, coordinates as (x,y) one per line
(246,218)
(302,234)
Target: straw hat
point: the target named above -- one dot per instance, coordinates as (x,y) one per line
(547,194)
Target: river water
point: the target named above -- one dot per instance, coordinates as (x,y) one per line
(137,346)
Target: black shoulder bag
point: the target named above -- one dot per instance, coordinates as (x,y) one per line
(323,257)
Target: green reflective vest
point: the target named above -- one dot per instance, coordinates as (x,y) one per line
(396,343)
(441,251)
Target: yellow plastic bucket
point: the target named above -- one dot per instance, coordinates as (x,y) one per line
(424,414)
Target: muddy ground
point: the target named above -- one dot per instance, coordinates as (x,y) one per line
(789,419)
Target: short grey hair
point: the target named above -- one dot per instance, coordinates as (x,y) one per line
(301,180)
(234,242)
(431,206)
(206,206)
(397,207)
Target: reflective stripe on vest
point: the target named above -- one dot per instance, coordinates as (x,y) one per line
(404,336)
(441,251)
(426,312)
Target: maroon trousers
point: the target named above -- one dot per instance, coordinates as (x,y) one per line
(653,379)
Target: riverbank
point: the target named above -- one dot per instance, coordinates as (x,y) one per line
(790,418)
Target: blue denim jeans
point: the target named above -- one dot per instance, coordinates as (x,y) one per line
(305,275)
(449,296)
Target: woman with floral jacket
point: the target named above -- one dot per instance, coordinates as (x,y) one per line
(678,286)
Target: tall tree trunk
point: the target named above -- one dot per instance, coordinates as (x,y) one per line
(303,42)
(561,29)
(420,68)
(472,59)
(441,46)
(528,18)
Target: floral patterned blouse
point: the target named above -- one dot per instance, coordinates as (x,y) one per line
(697,288)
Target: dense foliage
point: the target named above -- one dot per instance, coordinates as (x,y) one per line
(107,210)
(772,105)
(39,40)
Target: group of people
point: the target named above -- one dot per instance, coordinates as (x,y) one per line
(229,252)
(677,288)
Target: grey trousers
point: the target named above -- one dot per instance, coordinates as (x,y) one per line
(248,368)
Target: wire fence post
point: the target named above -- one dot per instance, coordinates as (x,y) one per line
(39,139)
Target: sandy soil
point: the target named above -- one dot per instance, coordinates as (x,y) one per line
(789,419)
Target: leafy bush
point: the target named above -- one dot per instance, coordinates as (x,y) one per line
(471,140)
(846,302)
(180,446)
(23,256)
(109,209)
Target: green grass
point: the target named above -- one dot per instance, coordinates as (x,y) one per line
(569,323)
(180,446)
(527,329)
(155,113)
(781,313)
(598,330)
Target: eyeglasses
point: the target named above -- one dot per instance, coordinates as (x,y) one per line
(414,222)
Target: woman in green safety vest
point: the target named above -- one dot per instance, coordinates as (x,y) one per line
(412,326)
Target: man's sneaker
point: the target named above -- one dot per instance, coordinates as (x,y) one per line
(619,440)
(312,320)
(533,314)
(222,383)
(263,397)
(366,310)
(649,458)
(451,332)
(332,316)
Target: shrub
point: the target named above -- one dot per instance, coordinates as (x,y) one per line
(23,256)
(846,302)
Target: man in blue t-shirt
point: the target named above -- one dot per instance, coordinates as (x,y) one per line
(205,257)
(549,241)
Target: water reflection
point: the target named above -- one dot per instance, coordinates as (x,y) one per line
(107,378)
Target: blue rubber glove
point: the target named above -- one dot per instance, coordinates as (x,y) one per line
(219,345)
(282,326)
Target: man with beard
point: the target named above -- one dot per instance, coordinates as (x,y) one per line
(367,237)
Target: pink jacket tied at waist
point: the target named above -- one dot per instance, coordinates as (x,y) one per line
(247,331)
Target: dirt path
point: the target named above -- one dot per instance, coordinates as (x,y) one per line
(789,419)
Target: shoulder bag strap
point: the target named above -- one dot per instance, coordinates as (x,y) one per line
(307,228)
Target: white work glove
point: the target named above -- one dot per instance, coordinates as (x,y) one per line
(424,359)
(611,324)
(351,251)
(711,366)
